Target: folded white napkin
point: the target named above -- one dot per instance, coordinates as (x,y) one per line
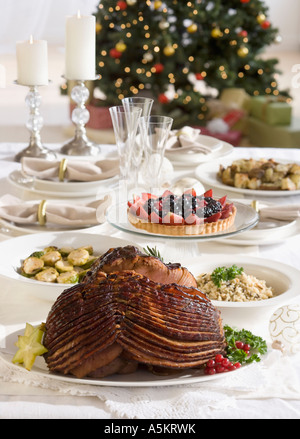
(285,213)
(186,139)
(76,170)
(19,212)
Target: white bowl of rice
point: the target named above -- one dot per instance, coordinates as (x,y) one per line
(248,300)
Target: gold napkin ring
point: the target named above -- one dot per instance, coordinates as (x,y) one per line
(255,205)
(62,169)
(42,213)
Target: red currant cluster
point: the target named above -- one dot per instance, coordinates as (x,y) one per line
(222,364)
(219,365)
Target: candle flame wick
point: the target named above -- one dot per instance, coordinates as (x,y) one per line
(31,39)
(78,14)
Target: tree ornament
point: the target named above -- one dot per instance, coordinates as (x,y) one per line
(199,76)
(131,2)
(158,67)
(260,18)
(216,32)
(148,56)
(284,328)
(163,99)
(169,50)
(121,47)
(243,51)
(114,53)
(243,34)
(164,25)
(122,5)
(157,4)
(265,24)
(192,28)
(98,28)
(244,1)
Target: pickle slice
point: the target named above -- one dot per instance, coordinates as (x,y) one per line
(30,346)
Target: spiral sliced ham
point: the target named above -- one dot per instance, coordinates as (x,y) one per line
(123,319)
(130,258)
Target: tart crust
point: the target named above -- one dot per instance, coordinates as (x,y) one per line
(186,229)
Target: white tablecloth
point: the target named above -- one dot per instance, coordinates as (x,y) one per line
(264,390)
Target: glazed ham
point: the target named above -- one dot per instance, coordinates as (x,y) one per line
(120,320)
(130,258)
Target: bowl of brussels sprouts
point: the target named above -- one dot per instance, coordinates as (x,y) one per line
(45,264)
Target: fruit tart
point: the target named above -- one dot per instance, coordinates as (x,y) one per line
(186,214)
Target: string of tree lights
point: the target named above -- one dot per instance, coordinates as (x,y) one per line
(180,51)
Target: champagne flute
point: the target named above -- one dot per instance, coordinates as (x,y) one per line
(125,123)
(137,150)
(155,131)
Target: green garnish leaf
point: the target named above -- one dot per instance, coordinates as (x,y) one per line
(258,346)
(153,252)
(225,274)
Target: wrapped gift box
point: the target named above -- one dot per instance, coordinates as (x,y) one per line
(265,135)
(236,98)
(271,110)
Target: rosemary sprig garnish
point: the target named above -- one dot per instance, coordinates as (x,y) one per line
(153,252)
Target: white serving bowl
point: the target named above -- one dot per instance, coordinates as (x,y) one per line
(254,315)
(13,251)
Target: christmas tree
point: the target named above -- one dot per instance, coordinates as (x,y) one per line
(183,52)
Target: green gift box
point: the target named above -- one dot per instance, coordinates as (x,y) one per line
(264,135)
(273,110)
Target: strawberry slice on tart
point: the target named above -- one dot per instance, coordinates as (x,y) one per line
(186,214)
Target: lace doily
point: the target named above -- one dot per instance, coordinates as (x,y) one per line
(196,401)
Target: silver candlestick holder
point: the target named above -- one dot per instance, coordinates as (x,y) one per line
(80,144)
(34,124)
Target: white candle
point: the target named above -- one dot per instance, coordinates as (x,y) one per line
(32,62)
(80,47)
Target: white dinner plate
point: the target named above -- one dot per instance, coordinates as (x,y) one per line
(209,142)
(266,232)
(245,219)
(59,189)
(21,229)
(275,236)
(141,378)
(207,174)
(185,159)
(13,251)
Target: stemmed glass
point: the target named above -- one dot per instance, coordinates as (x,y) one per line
(155,131)
(137,148)
(125,123)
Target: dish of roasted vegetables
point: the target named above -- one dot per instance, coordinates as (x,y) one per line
(65,265)
(262,174)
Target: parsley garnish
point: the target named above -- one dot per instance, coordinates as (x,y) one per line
(225,274)
(257,344)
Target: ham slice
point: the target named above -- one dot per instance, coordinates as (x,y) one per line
(120,320)
(130,258)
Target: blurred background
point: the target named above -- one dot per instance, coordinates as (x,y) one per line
(45,19)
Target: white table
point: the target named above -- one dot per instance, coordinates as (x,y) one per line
(215,400)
